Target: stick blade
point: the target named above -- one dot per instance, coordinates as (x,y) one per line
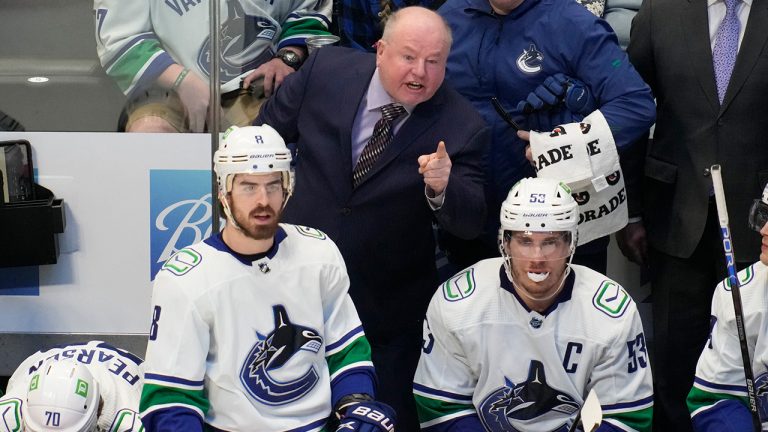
(591,412)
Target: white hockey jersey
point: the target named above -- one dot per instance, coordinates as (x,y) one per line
(249,344)
(137,40)
(720,379)
(118,373)
(486,354)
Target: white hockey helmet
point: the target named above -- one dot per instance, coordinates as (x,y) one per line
(62,396)
(539,205)
(252,150)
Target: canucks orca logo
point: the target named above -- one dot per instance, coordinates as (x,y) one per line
(530,60)
(242,37)
(271,352)
(528,402)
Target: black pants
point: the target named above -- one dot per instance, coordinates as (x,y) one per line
(395,360)
(682,291)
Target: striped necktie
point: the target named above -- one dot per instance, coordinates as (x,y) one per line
(382,136)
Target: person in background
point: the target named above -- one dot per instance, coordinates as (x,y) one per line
(360,23)
(547,64)
(705,63)
(158,53)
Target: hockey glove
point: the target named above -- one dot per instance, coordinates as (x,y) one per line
(368,417)
(558,100)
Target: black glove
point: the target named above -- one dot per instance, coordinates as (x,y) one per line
(560,99)
(368,416)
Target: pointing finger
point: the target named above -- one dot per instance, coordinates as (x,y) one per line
(441,152)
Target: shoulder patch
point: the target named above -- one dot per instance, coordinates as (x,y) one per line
(10,414)
(183,261)
(460,286)
(611,299)
(126,421)
(311,232)
(745,276)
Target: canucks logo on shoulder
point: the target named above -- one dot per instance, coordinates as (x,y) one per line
(271,353)
(530,60)
(531,400)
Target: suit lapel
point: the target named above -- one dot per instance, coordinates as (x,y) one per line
(752,45)
(421,119)
(695,24)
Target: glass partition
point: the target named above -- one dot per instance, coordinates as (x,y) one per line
(50,76)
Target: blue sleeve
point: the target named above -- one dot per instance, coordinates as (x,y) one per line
(623,97)
(461,424)
(728,415)
(608,427)
(172,419)
(355,381)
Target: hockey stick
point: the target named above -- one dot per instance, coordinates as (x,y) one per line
(504,114)
(590,414)
(730,262)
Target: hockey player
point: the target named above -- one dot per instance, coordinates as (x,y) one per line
(75,388)
(253,328)
(516,343)
(158,53)
(718,399)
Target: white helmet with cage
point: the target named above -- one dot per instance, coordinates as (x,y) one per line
(62,396)
(538,205)
(251,150)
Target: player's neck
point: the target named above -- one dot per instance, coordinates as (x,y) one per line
(242,244)
(537,305)
(542,303)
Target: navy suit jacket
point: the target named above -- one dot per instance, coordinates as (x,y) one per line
(670,47)
(383,227)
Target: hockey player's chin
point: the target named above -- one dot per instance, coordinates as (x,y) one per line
(260,228)
(261,232)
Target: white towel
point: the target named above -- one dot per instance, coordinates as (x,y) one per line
(562,154)
(601,196)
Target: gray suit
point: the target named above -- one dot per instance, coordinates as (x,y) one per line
(670,47)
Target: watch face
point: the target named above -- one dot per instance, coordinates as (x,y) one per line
(290,58)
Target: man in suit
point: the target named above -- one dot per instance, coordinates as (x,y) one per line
(382,219)
(707,65)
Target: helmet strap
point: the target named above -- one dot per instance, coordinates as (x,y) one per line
(228,212)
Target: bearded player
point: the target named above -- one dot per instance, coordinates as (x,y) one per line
(252,328)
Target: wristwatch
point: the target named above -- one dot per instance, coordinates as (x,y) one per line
(290,58)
